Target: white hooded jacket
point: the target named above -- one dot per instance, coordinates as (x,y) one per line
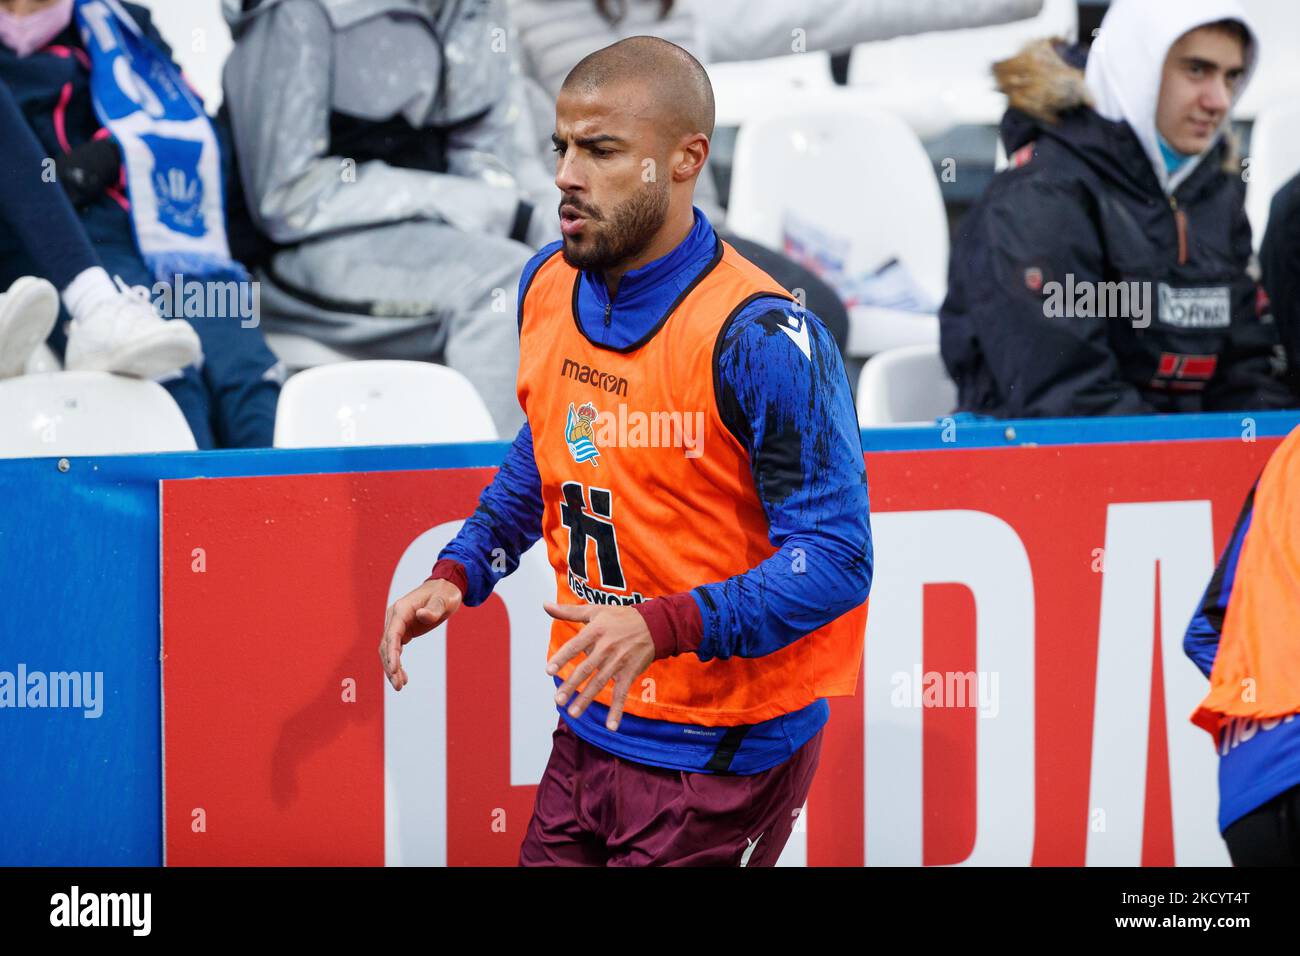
(1126,66)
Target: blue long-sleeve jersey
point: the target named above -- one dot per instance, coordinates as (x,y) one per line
(1258,759)
(794,413)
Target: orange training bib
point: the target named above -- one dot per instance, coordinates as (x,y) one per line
(646,492)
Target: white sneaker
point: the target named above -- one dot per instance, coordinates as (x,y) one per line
(126,335)
(28,312)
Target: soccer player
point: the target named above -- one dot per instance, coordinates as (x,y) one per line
(692,458)
(1243,638)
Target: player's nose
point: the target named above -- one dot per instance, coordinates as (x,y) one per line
(567,174)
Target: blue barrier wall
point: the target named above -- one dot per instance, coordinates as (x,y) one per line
(80,563)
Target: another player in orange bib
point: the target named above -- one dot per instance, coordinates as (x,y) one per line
(1246,639)
(693,462)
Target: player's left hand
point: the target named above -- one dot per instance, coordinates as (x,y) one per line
(618,647)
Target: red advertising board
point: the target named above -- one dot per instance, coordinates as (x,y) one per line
(1060,574)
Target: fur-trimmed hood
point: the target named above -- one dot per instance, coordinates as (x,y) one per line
(1041,82)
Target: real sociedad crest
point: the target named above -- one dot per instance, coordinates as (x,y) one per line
(177,185)
(580,436)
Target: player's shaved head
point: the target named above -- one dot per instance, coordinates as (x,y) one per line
(672,83)
(632,127)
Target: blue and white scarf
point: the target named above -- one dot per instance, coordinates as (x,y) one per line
(169,148)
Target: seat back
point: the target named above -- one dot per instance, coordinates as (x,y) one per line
(746,89)
(905,385)
(88,413)
(380,403)
(852,170)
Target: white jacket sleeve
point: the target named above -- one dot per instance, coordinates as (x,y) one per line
(736,30)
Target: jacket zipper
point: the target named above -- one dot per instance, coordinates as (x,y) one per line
(1180,219)
(609,305)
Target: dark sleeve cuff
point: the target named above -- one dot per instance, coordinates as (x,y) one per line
(674,622)
(453,571)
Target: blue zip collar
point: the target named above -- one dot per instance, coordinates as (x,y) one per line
(644,296)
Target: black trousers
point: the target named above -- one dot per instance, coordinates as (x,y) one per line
(1269,835)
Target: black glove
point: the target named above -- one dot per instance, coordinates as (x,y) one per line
(89,170)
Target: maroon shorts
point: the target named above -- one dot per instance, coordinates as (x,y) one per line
(596,809)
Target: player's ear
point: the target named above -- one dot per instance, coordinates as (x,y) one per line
(691,153)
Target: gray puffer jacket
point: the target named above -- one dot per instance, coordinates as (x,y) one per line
(349,114)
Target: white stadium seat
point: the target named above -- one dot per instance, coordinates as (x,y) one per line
(88,413)
(749,88)
(1274,160)
(857,172)
(874,329)
(905,386)
(945,76)
(380,403)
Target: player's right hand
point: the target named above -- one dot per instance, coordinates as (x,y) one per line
(417,613)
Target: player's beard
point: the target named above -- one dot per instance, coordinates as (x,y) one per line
(624,234)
